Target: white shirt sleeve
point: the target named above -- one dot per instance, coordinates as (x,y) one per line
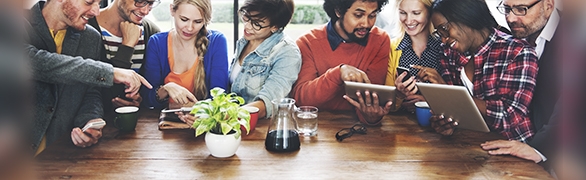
(543,158)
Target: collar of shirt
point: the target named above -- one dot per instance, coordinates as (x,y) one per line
(335,39)
(264,49)
(547,32)
(432,43)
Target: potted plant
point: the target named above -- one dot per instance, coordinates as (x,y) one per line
(221,118)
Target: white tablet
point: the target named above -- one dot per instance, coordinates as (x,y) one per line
(454,102)
(385,93)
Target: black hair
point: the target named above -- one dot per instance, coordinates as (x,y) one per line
(331,6)
(472,13)
(278,12)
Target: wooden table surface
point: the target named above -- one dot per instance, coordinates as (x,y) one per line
(399,149)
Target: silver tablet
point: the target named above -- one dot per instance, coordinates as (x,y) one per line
(385,93)
(454,102)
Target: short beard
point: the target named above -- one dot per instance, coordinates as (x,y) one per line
(531,28)
(122,11)
(352,36)
(69,12)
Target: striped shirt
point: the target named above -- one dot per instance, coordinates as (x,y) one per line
(505,71)
(111,43)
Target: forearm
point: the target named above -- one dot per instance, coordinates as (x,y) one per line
(63,69)
(260,104)
(91,107)
(319,90)
(123,58)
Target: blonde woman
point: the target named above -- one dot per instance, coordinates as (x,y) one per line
(414,49)
(189,60)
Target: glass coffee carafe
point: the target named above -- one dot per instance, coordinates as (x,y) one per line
(282,135)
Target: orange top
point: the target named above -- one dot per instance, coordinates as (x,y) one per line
(184,79)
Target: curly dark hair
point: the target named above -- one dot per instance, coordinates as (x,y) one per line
(331,6)
(472,13)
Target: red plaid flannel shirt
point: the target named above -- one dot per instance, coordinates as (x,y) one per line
(504,77)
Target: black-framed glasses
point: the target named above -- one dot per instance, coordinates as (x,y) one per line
(245,17)
(517,10)
(347,132)
(442,31)
(143,3)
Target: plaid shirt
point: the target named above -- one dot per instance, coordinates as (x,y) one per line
(505,71)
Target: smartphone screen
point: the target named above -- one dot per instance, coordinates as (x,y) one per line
(400,71)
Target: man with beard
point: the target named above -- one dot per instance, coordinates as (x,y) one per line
(348,48)
(536,22)
(125,34)
(65,96)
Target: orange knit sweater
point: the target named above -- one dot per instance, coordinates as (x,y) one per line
(320,84)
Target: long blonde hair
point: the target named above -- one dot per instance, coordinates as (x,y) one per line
(401,30)
(201,44)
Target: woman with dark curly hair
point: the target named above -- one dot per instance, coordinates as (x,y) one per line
(498,70)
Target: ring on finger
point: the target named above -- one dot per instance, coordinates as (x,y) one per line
(368,104)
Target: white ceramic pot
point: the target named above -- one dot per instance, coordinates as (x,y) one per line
(222,146)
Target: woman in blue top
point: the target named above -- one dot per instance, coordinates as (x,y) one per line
(189,60)
(267,61)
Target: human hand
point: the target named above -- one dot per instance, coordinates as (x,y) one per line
(188,118)
(119,102)
(370,109)
(515,148)
(130,33)
(442,125)
(350,73)
(406,88)
(409,102)
(81,139)
(429,74)
(178,93)
(131,79)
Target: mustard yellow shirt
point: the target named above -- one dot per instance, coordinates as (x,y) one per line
(58,38)
(394,56)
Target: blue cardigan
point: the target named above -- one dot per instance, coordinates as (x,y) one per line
(157,65)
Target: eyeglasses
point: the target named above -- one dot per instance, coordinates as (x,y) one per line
(517,10)
(143,3)
(442,31)
(255,23)
(347,132)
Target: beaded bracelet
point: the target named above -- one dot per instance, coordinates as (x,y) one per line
(159,98)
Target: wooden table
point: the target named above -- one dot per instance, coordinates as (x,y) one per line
(399,149)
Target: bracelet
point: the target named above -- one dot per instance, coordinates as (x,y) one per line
(159,98)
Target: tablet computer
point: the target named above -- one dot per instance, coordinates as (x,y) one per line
(385,93)
(454,102)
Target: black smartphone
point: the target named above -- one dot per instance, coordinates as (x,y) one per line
(400,71)
(119,89)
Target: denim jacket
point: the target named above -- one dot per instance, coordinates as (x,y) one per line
(269,71)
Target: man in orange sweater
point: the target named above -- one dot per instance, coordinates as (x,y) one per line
(348,48)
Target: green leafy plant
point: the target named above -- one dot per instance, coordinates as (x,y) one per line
(219,115)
